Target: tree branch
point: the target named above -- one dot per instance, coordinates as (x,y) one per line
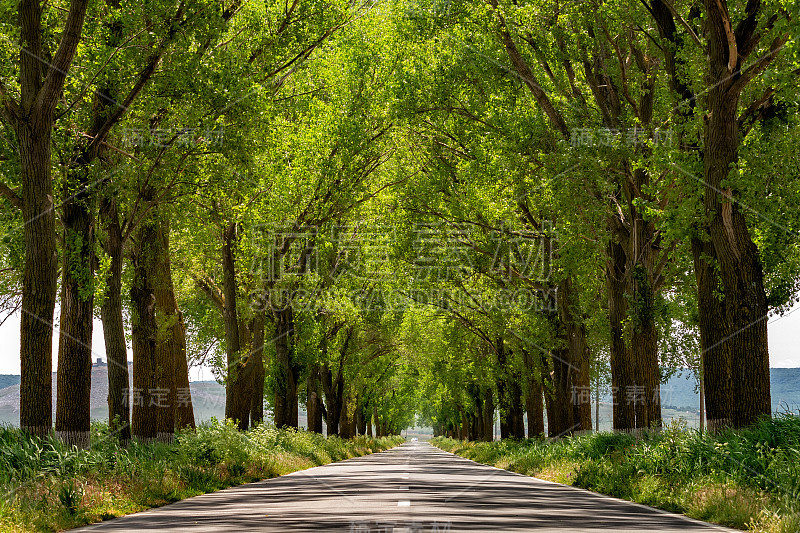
(755,111)
(526,75)
(683,22)
(9,109)
(50,93)
(144,78)
(210,289)
(759,65)
(11,195)
(733,54)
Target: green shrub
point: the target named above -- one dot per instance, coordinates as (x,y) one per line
(70,496)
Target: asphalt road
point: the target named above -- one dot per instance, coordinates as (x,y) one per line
(412,488)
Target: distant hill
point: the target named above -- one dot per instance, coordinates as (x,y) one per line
(785,389)
(679,391)
(678,396)
(208,397)
(8,380)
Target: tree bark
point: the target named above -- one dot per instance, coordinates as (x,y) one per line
(560,417)
(172,366)
(346,419)
(119,413)
(236,408)
(622,371)
(144,395)
(645,351)
(38,282)
(736,255)
(334,398)
(576,365)
(361,418)
(313,402)
(286,380)
(516,412)
(533,398)
(488,414)
(255,362)
(714,327)
(77,308)
(502,388)
(41,84)
(184,412)
(642,254)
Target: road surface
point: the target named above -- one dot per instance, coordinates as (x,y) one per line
(413,488)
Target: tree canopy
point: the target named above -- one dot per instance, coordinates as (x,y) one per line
(388,213)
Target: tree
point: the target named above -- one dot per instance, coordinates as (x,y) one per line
(32,117)
(733,320)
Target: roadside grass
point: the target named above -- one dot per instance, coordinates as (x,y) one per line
(47,486)
(747,479)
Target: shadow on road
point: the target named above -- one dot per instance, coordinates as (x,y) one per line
(414,488)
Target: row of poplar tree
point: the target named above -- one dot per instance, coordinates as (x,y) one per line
(383,208)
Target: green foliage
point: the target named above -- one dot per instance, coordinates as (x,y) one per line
(46,483)
(70,496)
(736,478)
(396,145)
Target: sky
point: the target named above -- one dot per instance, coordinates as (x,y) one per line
(784,334)
(9,349)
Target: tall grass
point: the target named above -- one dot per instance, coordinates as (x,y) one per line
(47,486)
(748,479)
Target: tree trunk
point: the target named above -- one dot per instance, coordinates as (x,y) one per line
(560,417)
(236,406)
(642,255)
(334,399)
(119,412)
(362,419)
(622,372)
(184,412)
(346,419)
(715,352)
(488,414)
(77,308)
(535,409)
(645,353)
(517,429)
(255,362)
(597,403)
(464,427)
(41,83)
(509,392)
(576,365)
(701,387)
(533,397)
(39,280)
(173,372)
(286,378)
(313,400)
(502,386)
(736,255)
(144,395)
